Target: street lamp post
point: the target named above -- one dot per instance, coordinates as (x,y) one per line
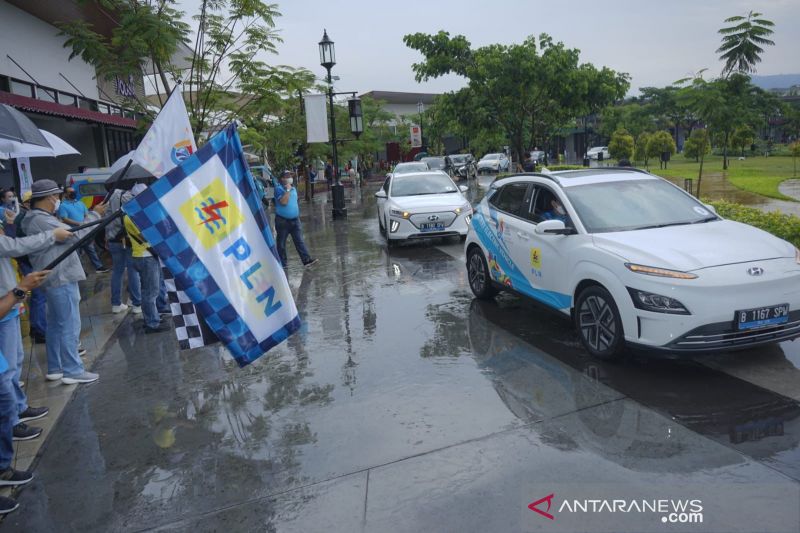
(420,109)
(327,58)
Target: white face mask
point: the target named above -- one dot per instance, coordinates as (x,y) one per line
(288,181)
(58,204)
(560,210)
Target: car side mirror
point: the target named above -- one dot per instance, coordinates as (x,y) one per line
(463,188)
(380,194)
(553,227)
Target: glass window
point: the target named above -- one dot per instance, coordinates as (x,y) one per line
(512,199)
(21,88)
(547,206)
(635,204)
(417,185)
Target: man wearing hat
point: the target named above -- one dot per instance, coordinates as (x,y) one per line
(61,286)
(10,336)
(36,303)
(287,220)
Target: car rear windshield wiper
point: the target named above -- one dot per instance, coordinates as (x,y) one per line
(654,226)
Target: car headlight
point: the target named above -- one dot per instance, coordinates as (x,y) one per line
(657,303)
(467,207)
(660,272)
(402,214)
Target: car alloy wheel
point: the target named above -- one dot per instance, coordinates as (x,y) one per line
(478,274)
(599,324)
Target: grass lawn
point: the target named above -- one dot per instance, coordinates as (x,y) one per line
(759,174)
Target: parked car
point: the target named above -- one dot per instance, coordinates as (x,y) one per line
(494,163)
(89,185)
(464,166)
(422,205)
(594,153)
(634,260)
(406,168)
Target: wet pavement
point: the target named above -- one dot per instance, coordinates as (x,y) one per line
(405,405)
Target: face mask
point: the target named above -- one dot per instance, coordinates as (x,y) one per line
(71,195)
(560,210)
(11,201)
(57,205)
(289,181)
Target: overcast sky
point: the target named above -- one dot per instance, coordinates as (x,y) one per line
(656,42)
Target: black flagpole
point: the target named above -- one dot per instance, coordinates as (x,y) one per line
(85,239)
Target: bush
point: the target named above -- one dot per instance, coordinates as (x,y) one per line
(640,152)
(696,144)
(781,225)
(660,142)
(621,145)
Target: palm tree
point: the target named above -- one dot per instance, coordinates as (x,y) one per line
(741,42)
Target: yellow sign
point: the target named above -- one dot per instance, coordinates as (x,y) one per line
(212,214)
(536,258)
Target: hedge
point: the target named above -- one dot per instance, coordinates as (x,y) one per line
(781,225)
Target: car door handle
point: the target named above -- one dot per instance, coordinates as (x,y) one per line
(523,236)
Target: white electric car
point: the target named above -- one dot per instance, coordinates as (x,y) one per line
(635,260)
(422,205)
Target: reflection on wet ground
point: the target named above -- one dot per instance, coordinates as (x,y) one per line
(405,405)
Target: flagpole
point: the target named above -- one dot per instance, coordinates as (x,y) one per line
(85,239)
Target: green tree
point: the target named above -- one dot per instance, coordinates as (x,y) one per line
(742,43)
(634,117)
(621,145)
(640,150)
(794,149)
(525,90)
(660,142)
(743,137)
(697,144)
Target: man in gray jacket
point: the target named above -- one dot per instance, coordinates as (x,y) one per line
(10,336)
(61,286)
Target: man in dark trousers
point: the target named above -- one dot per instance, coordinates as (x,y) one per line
(287,219)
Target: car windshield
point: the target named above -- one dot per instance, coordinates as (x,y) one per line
(458,159)
(434,162)
(419,185)
(635,204)
(404,168)
(491,156)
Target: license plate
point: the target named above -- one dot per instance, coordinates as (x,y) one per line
(432,226)
(762,316)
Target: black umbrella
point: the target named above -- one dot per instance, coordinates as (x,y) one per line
(128,176)
(15,126)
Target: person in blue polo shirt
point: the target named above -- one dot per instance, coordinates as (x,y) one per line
(287,219)
(73,212)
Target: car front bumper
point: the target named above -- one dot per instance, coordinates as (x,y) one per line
(405,229)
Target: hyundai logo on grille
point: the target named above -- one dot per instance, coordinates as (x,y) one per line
(433,218)
(755,271)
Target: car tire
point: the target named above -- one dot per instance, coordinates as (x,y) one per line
(478,275)
(599,324)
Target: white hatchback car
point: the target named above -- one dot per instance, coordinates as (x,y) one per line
(422,205)
(635,260)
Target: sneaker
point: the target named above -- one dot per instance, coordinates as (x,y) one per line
(86,377)
(7,505)
(13,478)
(136,309)
(103,270)
(23,431)
(33,413)
(55,376)
(119,308)
(311,262)
(81,352)
(158,329)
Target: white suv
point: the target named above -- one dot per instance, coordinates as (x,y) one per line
(631,258)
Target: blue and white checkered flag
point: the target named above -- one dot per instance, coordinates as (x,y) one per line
(205,221)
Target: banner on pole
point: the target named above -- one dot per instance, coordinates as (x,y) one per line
(316,118)
(204,220)
(416,136)
(25,176)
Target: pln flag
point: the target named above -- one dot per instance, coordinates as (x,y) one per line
(204,220)
(169,140)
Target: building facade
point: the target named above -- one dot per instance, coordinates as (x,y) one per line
(59,94)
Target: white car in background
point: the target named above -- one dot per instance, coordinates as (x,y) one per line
(422,205)
(494,163)
(633,259)
(407,168)
(594,153)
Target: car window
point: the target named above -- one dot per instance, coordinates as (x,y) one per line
(543,207)
(512,198)
(386,184)
(92,189)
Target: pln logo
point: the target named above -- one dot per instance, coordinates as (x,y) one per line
(212,214)
(181,151)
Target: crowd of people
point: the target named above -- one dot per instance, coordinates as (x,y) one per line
(38,232)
